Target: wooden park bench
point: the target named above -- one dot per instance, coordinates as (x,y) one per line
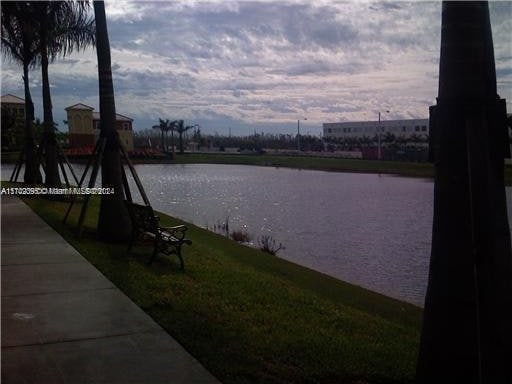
(166,240)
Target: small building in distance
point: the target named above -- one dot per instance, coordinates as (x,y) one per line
(84,127)
(359,129)
(13,104)
(13,120)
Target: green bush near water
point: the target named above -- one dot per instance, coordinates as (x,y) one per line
(251,317)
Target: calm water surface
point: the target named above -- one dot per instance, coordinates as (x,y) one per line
(370,230)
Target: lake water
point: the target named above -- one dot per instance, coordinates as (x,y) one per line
(368,229)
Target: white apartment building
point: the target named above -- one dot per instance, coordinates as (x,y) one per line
(357,129)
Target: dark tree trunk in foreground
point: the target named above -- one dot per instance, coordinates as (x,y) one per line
(62,26)
(32,174)
(467,327)
(113,223)
(51,155)
(19,43)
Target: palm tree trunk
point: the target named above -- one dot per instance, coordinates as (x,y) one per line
(114,223)
(467,333)
(50,140)
(172,144)
(32,175)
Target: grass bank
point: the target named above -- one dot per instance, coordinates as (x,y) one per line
(407,169)
(251,317)
(312,162)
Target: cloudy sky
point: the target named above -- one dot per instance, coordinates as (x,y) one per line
(263,65)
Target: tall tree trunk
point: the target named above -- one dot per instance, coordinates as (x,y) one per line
(51,154)
(32,174)
(114,222)
(181,142)
(467,325)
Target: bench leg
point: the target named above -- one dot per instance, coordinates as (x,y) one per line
(132,240)
(178,253)
(155,251)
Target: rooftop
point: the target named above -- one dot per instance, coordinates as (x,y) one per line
(11,99)
(80,106)
(96,116)
(382,122)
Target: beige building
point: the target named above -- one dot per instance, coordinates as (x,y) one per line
(13,121)
(84,127)
(14,104)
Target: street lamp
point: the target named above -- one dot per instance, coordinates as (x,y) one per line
(298,134)
(378,137)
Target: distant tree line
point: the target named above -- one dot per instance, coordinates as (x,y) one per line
(254,142)
(264,141)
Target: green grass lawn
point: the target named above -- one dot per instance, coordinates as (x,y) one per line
(251,317)
(402,168)
(311,162)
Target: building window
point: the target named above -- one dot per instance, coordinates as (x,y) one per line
(96,124)
(424,128)
(329,130)
(404,129)
(126,126)
(417,128)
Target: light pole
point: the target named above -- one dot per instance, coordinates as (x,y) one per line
(298,134)
(378,138)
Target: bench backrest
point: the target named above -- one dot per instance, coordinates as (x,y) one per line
(143,217)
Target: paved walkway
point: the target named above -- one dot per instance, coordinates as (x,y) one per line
(64,322)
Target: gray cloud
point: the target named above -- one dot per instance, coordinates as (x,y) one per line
(241,63)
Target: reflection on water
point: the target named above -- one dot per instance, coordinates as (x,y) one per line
(370,230)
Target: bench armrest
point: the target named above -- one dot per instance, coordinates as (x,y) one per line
(177,231)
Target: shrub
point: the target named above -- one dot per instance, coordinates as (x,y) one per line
(222,227)
(268,244)
(241,236)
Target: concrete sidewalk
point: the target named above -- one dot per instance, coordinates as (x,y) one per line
(64,322)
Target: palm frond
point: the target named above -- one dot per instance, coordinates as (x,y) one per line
(17,33)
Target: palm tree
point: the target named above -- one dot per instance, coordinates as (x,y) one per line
(181,129)
(171,127)
(467,332)
(18,43)
(114,222)
(62,26)
(164,126)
